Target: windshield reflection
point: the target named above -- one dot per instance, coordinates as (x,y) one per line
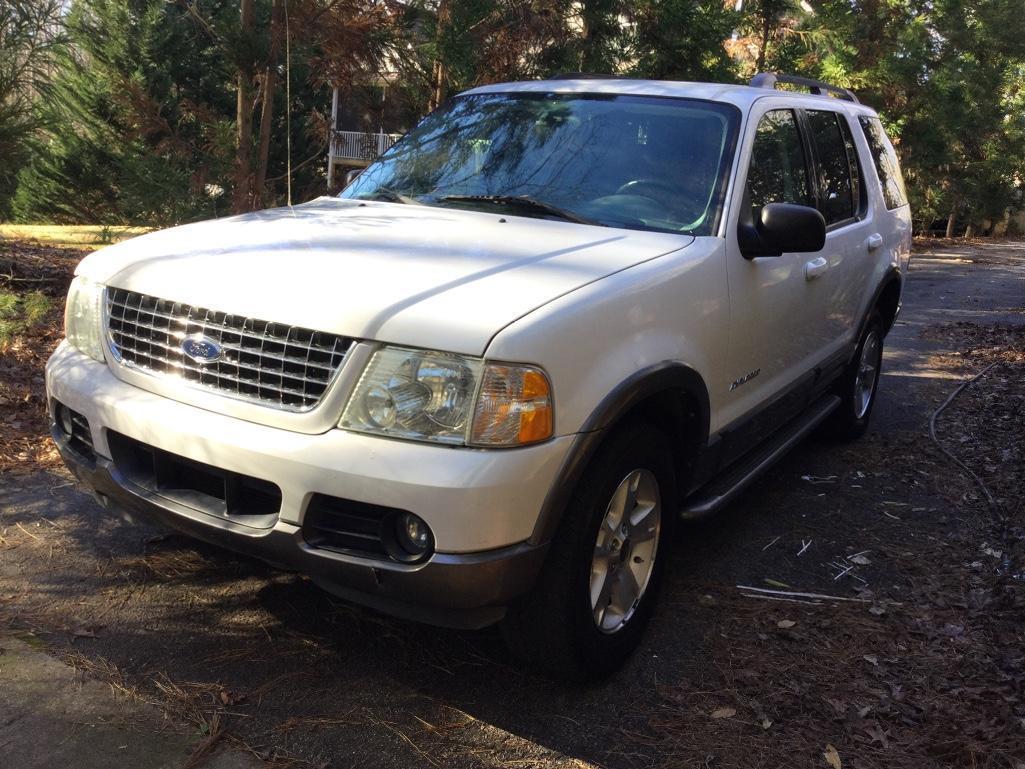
(620,161)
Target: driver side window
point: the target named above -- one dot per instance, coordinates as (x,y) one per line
(778,171)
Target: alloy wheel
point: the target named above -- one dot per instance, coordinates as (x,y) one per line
(625,550)
(865,380)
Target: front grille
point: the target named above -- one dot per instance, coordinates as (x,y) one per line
(284,366)
(239,498)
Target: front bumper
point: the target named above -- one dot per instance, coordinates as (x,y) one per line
(482,506)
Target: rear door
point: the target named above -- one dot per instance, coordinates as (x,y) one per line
(889,209)
(843,266)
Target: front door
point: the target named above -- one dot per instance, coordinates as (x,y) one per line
(778,328)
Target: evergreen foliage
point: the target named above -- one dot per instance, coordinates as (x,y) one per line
(141,115)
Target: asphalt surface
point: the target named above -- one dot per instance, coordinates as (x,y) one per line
(312,678)
(51,715)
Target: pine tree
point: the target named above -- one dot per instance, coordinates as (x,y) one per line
(29,34)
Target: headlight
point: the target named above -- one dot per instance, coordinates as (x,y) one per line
(82,314)
(446,398)
(414,394)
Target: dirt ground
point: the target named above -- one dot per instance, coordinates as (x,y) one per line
(913,658)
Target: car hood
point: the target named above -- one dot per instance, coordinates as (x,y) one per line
(414,275)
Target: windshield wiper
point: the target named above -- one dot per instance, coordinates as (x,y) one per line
(522,201)
(385,193)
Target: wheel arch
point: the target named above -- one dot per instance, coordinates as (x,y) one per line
(887,299)
(670,393)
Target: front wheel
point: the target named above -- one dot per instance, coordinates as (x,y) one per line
(595,594)
(857,388)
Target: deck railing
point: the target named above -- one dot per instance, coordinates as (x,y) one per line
(357,145)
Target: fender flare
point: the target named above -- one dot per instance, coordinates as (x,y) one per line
(893,274)
(659,378)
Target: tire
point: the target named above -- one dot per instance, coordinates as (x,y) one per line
(555,627)
(859,384)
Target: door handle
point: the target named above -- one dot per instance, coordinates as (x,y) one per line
(815,267)
(874,241)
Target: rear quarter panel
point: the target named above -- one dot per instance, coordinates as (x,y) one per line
(894,225)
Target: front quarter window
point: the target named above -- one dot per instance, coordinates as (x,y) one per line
(651,163)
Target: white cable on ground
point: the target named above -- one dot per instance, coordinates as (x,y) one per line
(971,473)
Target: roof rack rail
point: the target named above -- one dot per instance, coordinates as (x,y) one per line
(817,87)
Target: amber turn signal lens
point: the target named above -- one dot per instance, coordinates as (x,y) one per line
(514,407)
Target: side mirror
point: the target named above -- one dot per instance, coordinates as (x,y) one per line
(350,176)
(783,228)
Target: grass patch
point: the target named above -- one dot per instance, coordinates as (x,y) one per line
(34,281)
(19,313)
(81,236)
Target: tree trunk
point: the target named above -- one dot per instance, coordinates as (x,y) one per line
(270,84)
(764,47)
(244,119)
(439,77)
(585,37)
(598,24)
(951,222)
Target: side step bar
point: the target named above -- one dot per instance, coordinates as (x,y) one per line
(725,489)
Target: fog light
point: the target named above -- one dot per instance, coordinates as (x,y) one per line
(413,539)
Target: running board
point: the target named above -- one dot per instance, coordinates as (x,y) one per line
(725,489)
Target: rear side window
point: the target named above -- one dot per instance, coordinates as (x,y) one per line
(852,159)
(778,171)
(839,201)
(885,158)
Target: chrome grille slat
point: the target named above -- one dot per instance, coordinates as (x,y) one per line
(179,365)
(288,367)
(228,347)
(185,322)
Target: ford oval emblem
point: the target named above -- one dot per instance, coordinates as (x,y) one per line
(201,349)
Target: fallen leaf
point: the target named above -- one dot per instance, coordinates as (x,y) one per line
(838,705)
(860,560)
(877,610)
(785,623)
(766,723)
(724,713)
(978,598)
(84,632)
(878,735)
(871,659)
(832,757)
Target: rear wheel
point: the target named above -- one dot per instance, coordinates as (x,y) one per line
(595,593)
(857,388)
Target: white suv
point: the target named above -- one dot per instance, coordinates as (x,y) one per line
(483,383)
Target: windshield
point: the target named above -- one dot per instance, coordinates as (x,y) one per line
(621,161)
